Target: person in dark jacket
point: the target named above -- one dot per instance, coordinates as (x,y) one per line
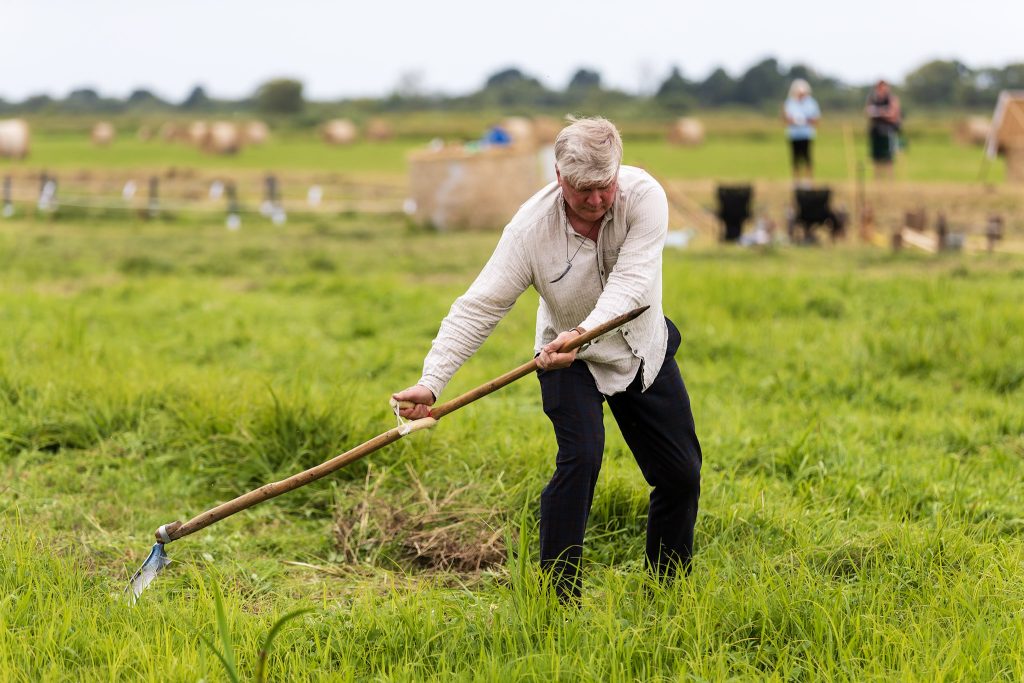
(884,120)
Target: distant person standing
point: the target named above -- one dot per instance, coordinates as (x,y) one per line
(884,120)
(801,114)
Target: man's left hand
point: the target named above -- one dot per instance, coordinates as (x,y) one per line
(551,359)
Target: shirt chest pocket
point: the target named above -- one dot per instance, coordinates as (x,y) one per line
(609,257)
(611,241)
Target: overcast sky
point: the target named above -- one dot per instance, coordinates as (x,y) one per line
(341,49)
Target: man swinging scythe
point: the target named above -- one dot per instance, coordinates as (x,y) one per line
(591,245)
(611,221)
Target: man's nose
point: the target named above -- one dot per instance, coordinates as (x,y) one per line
(594,198)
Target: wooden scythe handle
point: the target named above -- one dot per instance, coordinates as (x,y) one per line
(440,411)
(175,530)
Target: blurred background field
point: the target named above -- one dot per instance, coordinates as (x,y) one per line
(737,146)
(936,176)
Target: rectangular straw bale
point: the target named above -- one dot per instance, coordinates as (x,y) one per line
(1015,163)
(460,189)
(1010,127)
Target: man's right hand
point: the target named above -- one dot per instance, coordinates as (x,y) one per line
(550,356)
(418,394)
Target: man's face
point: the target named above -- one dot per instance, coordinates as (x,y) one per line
(589,203)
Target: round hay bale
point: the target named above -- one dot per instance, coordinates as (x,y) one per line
(973,130)
(173,132)
(197,132)
(255,133)
(145,133)
(223,137)
(546,129)
(379,129)
(521,130)
(454,188)
(14,138)
(103,133)
(686,131)
(340,132)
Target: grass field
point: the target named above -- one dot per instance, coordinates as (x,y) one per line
(741,148)
(859,412)
(936,176)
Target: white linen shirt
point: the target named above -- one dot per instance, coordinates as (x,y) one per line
(622,271)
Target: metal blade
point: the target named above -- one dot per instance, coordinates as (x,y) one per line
(153,565)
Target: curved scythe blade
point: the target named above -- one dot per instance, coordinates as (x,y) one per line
(153,565)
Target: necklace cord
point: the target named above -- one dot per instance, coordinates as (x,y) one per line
(570,259)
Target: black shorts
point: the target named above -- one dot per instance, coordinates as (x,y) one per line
(881,145)
(801,152)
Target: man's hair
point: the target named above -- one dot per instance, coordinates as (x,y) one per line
(799,86)
(588,152)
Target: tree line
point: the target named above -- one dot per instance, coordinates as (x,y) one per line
(935,84)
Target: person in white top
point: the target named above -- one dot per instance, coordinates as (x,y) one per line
(802,115)
(591,244)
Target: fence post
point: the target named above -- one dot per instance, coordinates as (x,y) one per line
(154,201)
(234,221)
(47,192)
(314,196)
(269,193)
(8,210)
(272,207)
(942,231)
(993,231)
(44,180)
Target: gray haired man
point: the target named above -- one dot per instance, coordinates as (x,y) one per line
(590,244)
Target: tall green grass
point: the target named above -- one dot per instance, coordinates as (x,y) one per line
(862,491)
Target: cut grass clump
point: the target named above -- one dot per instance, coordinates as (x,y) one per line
(141,265)
(434,531)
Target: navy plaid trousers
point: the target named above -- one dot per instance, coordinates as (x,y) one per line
(657,425)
